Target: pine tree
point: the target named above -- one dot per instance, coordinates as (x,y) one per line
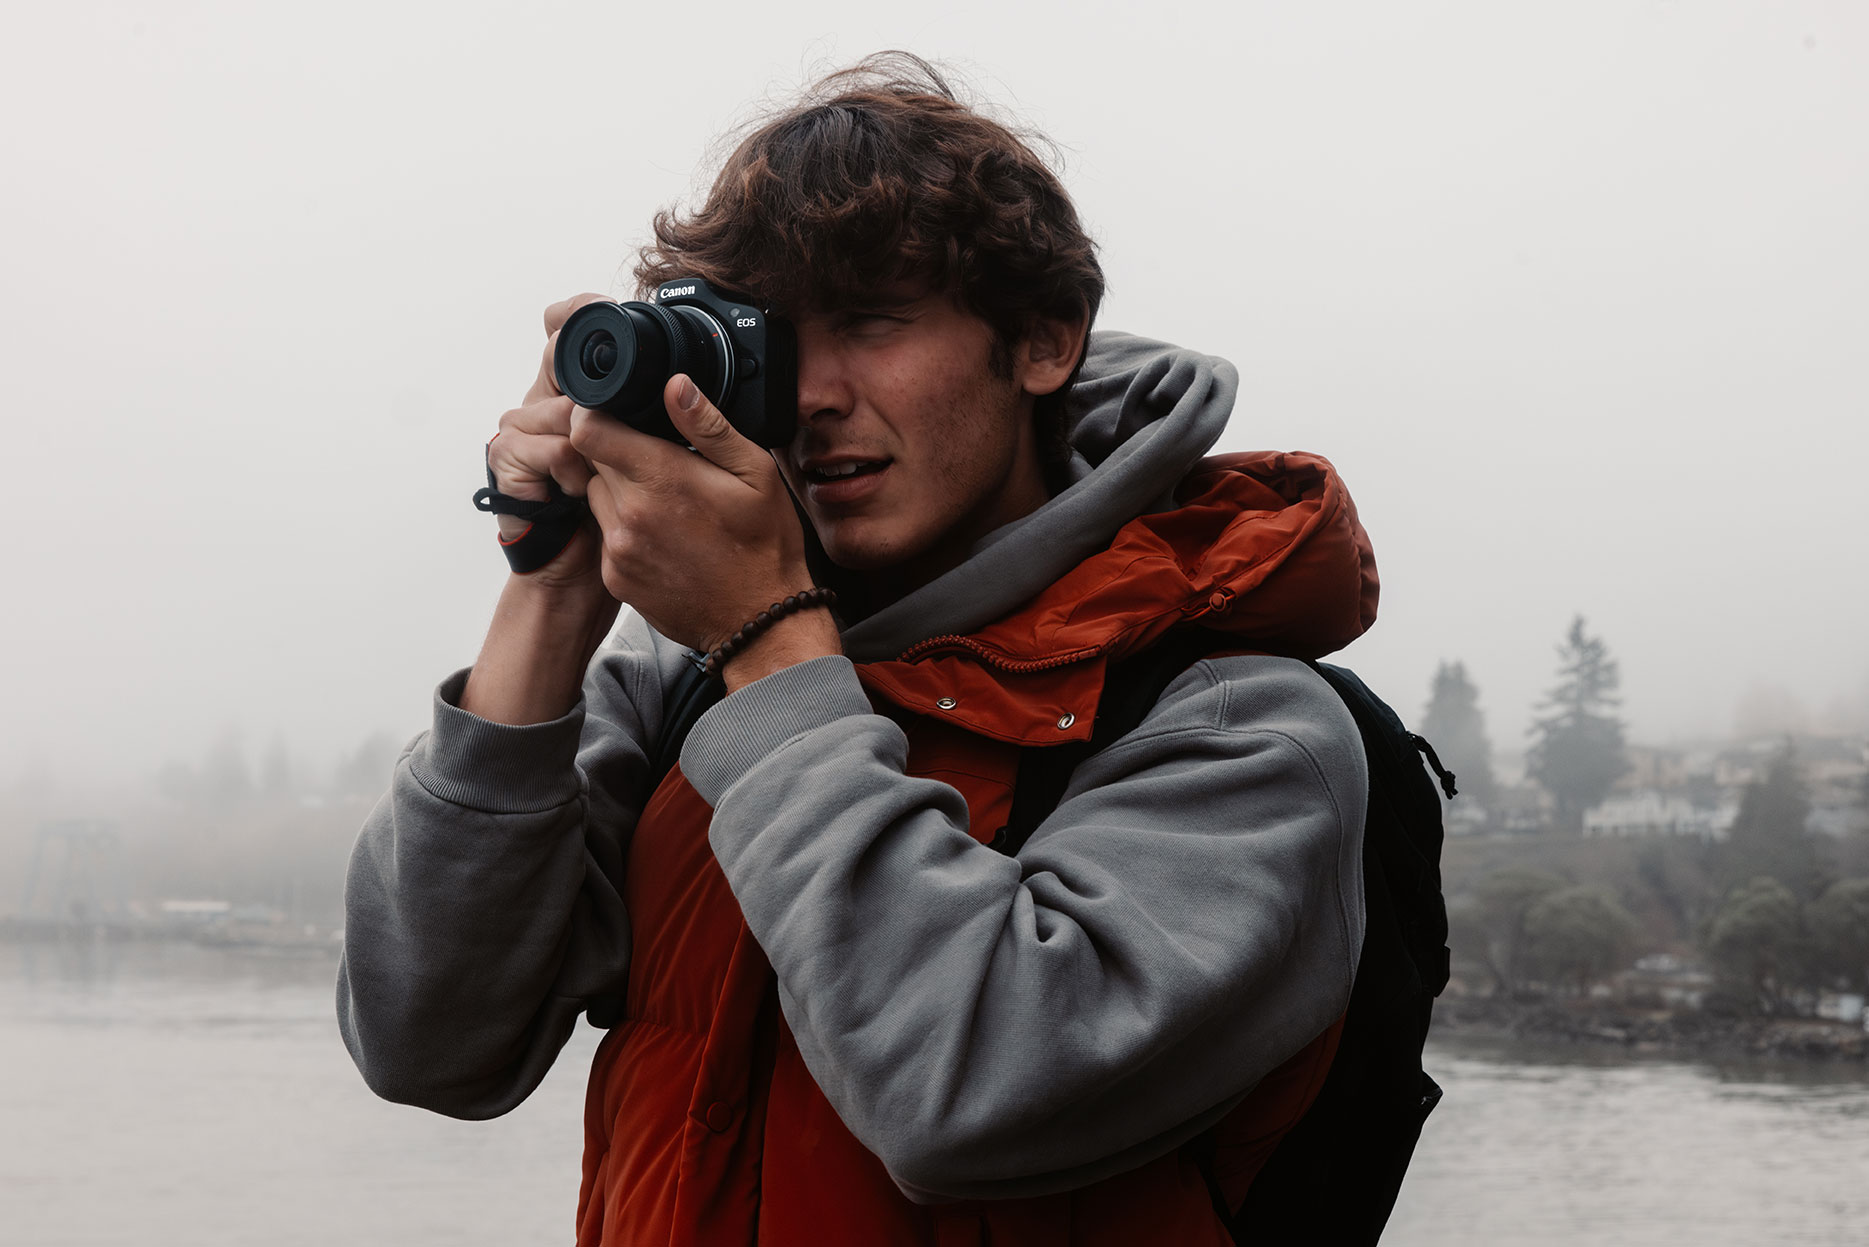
(1577,748)
(1456,728)
(1768,835)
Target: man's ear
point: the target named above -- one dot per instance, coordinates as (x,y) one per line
(1049,352)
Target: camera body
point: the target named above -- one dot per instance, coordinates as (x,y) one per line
(617,357)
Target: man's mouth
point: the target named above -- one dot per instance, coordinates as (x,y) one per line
(845,470)
(839,483)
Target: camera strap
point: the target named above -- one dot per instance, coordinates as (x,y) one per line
(553,523)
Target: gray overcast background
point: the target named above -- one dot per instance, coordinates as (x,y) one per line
(1574,295)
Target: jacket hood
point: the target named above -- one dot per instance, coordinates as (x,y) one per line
(1264,546)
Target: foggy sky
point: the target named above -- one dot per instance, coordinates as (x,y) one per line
(1575,299)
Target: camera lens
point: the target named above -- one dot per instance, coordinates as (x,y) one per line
(617,357)
(605,362)
(599,355)
(694,347)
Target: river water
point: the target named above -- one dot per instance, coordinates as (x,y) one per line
(165,1094)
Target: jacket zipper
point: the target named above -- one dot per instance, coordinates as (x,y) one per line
(922,649)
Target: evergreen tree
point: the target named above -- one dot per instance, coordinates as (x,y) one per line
(1455,727)
(1768,835)
(1577,747)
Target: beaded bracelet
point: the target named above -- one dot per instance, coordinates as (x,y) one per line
(815,596)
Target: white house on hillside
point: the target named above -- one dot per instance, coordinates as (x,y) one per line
(1656,814)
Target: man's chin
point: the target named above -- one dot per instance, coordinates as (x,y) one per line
(863,553)
(863,562)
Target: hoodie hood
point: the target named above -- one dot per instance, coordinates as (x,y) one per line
(1149,535)
(1141,415)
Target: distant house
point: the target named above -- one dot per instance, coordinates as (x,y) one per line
(1838,821)
(196,913)
(1652,769)
(1651,813)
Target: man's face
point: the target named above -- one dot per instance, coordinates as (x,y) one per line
(910,447)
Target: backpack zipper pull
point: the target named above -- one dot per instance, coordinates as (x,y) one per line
(1446,776)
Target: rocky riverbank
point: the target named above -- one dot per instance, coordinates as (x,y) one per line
(1682,1032)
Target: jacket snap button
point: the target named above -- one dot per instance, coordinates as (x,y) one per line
(719,1116)
(1220,599)
(947,703)
(1066,721)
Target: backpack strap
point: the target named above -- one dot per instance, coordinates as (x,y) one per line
(684,701)
(1131,688)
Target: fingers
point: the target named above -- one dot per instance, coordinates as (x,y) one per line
(523,463)
(603,505)
(711,433)
(631,522)
(558,313)
(545,385)
(546,415)
(534,446)
(652,462)
(634,456)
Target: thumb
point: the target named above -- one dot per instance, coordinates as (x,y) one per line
(708,431)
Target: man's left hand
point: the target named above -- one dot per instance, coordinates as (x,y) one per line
(697,543)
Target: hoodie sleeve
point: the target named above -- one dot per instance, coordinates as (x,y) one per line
(1187,918)
(483,906)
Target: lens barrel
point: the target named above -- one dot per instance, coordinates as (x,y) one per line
(617,357)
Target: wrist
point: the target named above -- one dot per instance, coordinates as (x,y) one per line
(799,637)
(531,668)
(566,599)
(571,582)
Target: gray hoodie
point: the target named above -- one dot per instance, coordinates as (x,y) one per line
(1188,918)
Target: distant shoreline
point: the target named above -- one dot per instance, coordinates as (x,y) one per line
(1664,1032)
(276,939)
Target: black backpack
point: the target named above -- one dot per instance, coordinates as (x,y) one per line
(1335,1175)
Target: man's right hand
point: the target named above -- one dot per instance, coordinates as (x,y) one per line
(533,448)
(549,622)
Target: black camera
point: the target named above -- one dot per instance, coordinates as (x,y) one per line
(617,357)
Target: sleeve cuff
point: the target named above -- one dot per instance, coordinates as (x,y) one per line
(474,762)
(742,730)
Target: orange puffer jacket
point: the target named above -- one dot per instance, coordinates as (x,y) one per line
(703,1126)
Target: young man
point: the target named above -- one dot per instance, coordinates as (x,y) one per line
(839,1014)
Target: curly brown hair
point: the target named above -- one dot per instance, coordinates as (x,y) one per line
(881,176)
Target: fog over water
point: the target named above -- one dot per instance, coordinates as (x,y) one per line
(234,1117)
(1573,297)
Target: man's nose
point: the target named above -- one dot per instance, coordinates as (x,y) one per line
(823,384)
